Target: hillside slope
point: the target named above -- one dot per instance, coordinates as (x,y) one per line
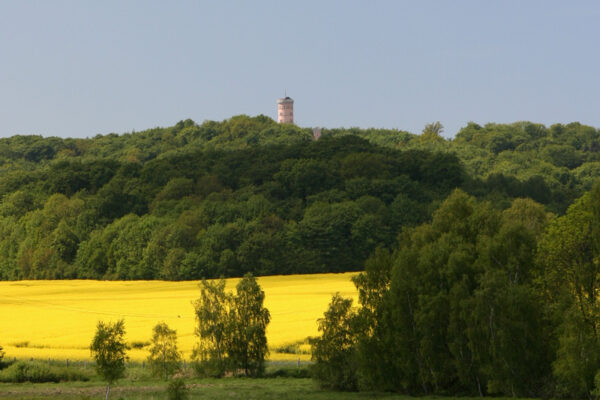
(249,195)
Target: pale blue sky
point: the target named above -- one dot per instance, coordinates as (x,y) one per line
(79,68)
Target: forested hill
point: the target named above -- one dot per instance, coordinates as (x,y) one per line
(248,194)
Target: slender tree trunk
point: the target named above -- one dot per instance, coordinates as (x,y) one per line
(165,365)
(107,391)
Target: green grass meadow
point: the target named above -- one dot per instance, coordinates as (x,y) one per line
(285,380)
(226,388)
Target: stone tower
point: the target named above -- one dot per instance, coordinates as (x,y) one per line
(285,110)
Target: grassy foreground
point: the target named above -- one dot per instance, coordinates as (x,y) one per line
(227,388)
(285,380)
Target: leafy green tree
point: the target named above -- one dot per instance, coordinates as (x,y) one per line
(176,188)
(263,249)
(213,328)
(109,350)
(366,165)
(250,319)
(17,203)
(562,156)
(306,176)
(172,264)
(569,252)
(65,242)
(334,351)
(373,283)
(455,309)
(122,243)
(432,132)
(231,328)
(164,358)
(327,228)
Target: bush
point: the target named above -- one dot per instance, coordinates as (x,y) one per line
(177,390)
(297,347)
(288,372)
(208,368)
(37,372)
(138,344)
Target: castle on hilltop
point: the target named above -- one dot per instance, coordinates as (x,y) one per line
(285,114)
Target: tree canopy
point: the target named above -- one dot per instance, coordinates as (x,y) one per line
(231,328)
(246,194)
(481,301)
(109,350)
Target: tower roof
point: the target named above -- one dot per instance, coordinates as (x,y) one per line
(286,99)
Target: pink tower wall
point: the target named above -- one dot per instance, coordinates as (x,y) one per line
(285,111)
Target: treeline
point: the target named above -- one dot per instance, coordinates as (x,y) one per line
(250,195)
(479,301)
(315,207)
(554,165)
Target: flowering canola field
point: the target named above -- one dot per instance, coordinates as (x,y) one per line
(57,319)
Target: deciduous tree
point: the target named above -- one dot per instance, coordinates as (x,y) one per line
(213,328)
(231,328)
(164,358)
(109,350)
(249,323)
(334,350)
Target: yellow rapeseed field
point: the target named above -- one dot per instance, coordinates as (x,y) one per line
(57,319)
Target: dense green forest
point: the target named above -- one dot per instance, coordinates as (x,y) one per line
(478,301)
(250,195)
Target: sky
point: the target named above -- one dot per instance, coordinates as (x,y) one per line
(80,68)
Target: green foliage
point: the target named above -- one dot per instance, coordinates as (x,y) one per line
(109,350)
(223,199)
(38,372)
(288,372)
(570,254)
(212,328)
(177,390)
(249,323)
(432,132)
(226,198)
(231,329)
(138,344)
(164,358)
(333,352)
(456,308)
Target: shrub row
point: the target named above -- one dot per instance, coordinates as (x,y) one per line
(37,372)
